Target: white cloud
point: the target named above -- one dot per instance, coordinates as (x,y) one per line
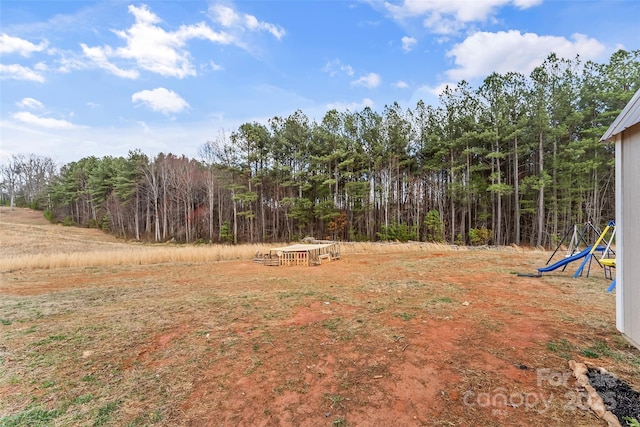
(99,56)
(483,53)
(525,4)
(408,43)
(144,126)
(30,103)
(449,16)
(400,84)
(351,106)
(224,15)
(229,18)
(143,15)
(41,66)
(255,25)
(9,44)
(67,61)
(152,48)
(370,80)
(336,67)
(161,99)
(43,122)
(215,67)
(441,25)
(429,94)
(439,89)
(19,72)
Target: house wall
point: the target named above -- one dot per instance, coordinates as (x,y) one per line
(628,209)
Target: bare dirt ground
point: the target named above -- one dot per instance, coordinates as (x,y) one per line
(426,338)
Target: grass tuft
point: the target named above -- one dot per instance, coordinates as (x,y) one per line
(104,413)
(32,417)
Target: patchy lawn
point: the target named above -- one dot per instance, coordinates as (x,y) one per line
(418,338)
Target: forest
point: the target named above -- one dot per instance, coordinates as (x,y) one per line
(516,160)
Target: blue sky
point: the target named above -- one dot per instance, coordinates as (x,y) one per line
(102,78)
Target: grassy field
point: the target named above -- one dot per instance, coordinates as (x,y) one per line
(96,331)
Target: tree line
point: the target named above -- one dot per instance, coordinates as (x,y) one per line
(515,160)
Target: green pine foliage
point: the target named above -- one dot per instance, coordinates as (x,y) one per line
(479,236)
(516,160)
(435,227)
(397,232)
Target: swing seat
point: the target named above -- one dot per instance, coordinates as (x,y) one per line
(608,262)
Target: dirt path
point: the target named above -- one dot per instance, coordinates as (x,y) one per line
(438,338)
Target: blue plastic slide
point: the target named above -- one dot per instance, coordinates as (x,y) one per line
(565,261)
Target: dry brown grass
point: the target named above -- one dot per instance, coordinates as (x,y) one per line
(143,255)
(138,254)
(146,254)
(39,245)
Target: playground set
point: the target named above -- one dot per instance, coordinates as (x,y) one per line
(601,251)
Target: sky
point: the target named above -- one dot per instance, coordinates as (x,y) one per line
(82,79)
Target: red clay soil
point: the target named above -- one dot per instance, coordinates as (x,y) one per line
(472,364)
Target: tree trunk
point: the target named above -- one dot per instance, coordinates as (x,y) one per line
(541,192)
(469,213)
(452,212)
(516,192)
(136,215)
(235,217)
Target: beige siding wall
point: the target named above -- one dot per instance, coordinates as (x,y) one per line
(629,224)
